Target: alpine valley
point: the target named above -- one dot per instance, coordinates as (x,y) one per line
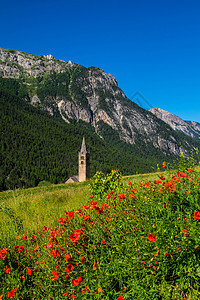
(48,105)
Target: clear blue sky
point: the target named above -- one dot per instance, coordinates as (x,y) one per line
(150,46)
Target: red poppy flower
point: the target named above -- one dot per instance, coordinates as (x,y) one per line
(67,277)
(130,183)
(103,242)
(164,164)
(24,237)
(69,268)
(120,297)
(152,237)
(185,232)
(75,236)
(6,269)
(93,203)
(196,215)
(67,257)
(122,197)
(95,266)
(55,275)
(29,272)
(75,282)
(3,253)
(82,259)
(12,293)
(69,214)
(80,279)
(85,290)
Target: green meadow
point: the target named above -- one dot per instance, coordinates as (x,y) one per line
(113,237)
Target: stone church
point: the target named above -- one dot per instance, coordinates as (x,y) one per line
(83,166)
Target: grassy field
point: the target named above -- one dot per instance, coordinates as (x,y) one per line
(135,237)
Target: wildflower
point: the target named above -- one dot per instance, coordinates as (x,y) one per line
(120,297)
(21,248)
(82,259)
(29,272)
(131,196)
(69,268)
(93,203)
(3,254)
(95,266)
(86,290)
(12,293)
(24,237)
(6,269)
(157,181)
(44,229)
(185,232)
(152,237)
(67,257)
(55,275)
(103,242)
(122,197)
(162,177)
(33,238)
(164,164)
(65,294)
(99,290)
(75,235)
(181,174)
(75,282)
(196,216)
(69,214)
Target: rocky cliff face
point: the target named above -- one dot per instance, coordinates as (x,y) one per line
(90,95)
(190,128)
(14,64)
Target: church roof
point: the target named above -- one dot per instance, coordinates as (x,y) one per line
(83,147)
(72,179)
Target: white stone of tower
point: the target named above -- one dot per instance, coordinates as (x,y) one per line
(84,167)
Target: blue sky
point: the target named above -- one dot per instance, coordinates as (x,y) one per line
(150,46)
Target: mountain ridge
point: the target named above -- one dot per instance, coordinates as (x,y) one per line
(190,128)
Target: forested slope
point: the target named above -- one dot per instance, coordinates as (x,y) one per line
(35,146)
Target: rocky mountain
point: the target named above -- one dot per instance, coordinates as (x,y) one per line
(72,92)
(190,128)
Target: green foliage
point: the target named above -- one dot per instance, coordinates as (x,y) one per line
(102,184)
(140,241)
(44,183)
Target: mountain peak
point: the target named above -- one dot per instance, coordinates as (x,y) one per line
(190,128)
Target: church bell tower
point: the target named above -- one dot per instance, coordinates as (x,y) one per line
(84,163)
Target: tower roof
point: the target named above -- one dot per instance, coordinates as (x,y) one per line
(83,147)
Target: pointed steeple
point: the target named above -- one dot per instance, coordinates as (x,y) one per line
(83,147)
